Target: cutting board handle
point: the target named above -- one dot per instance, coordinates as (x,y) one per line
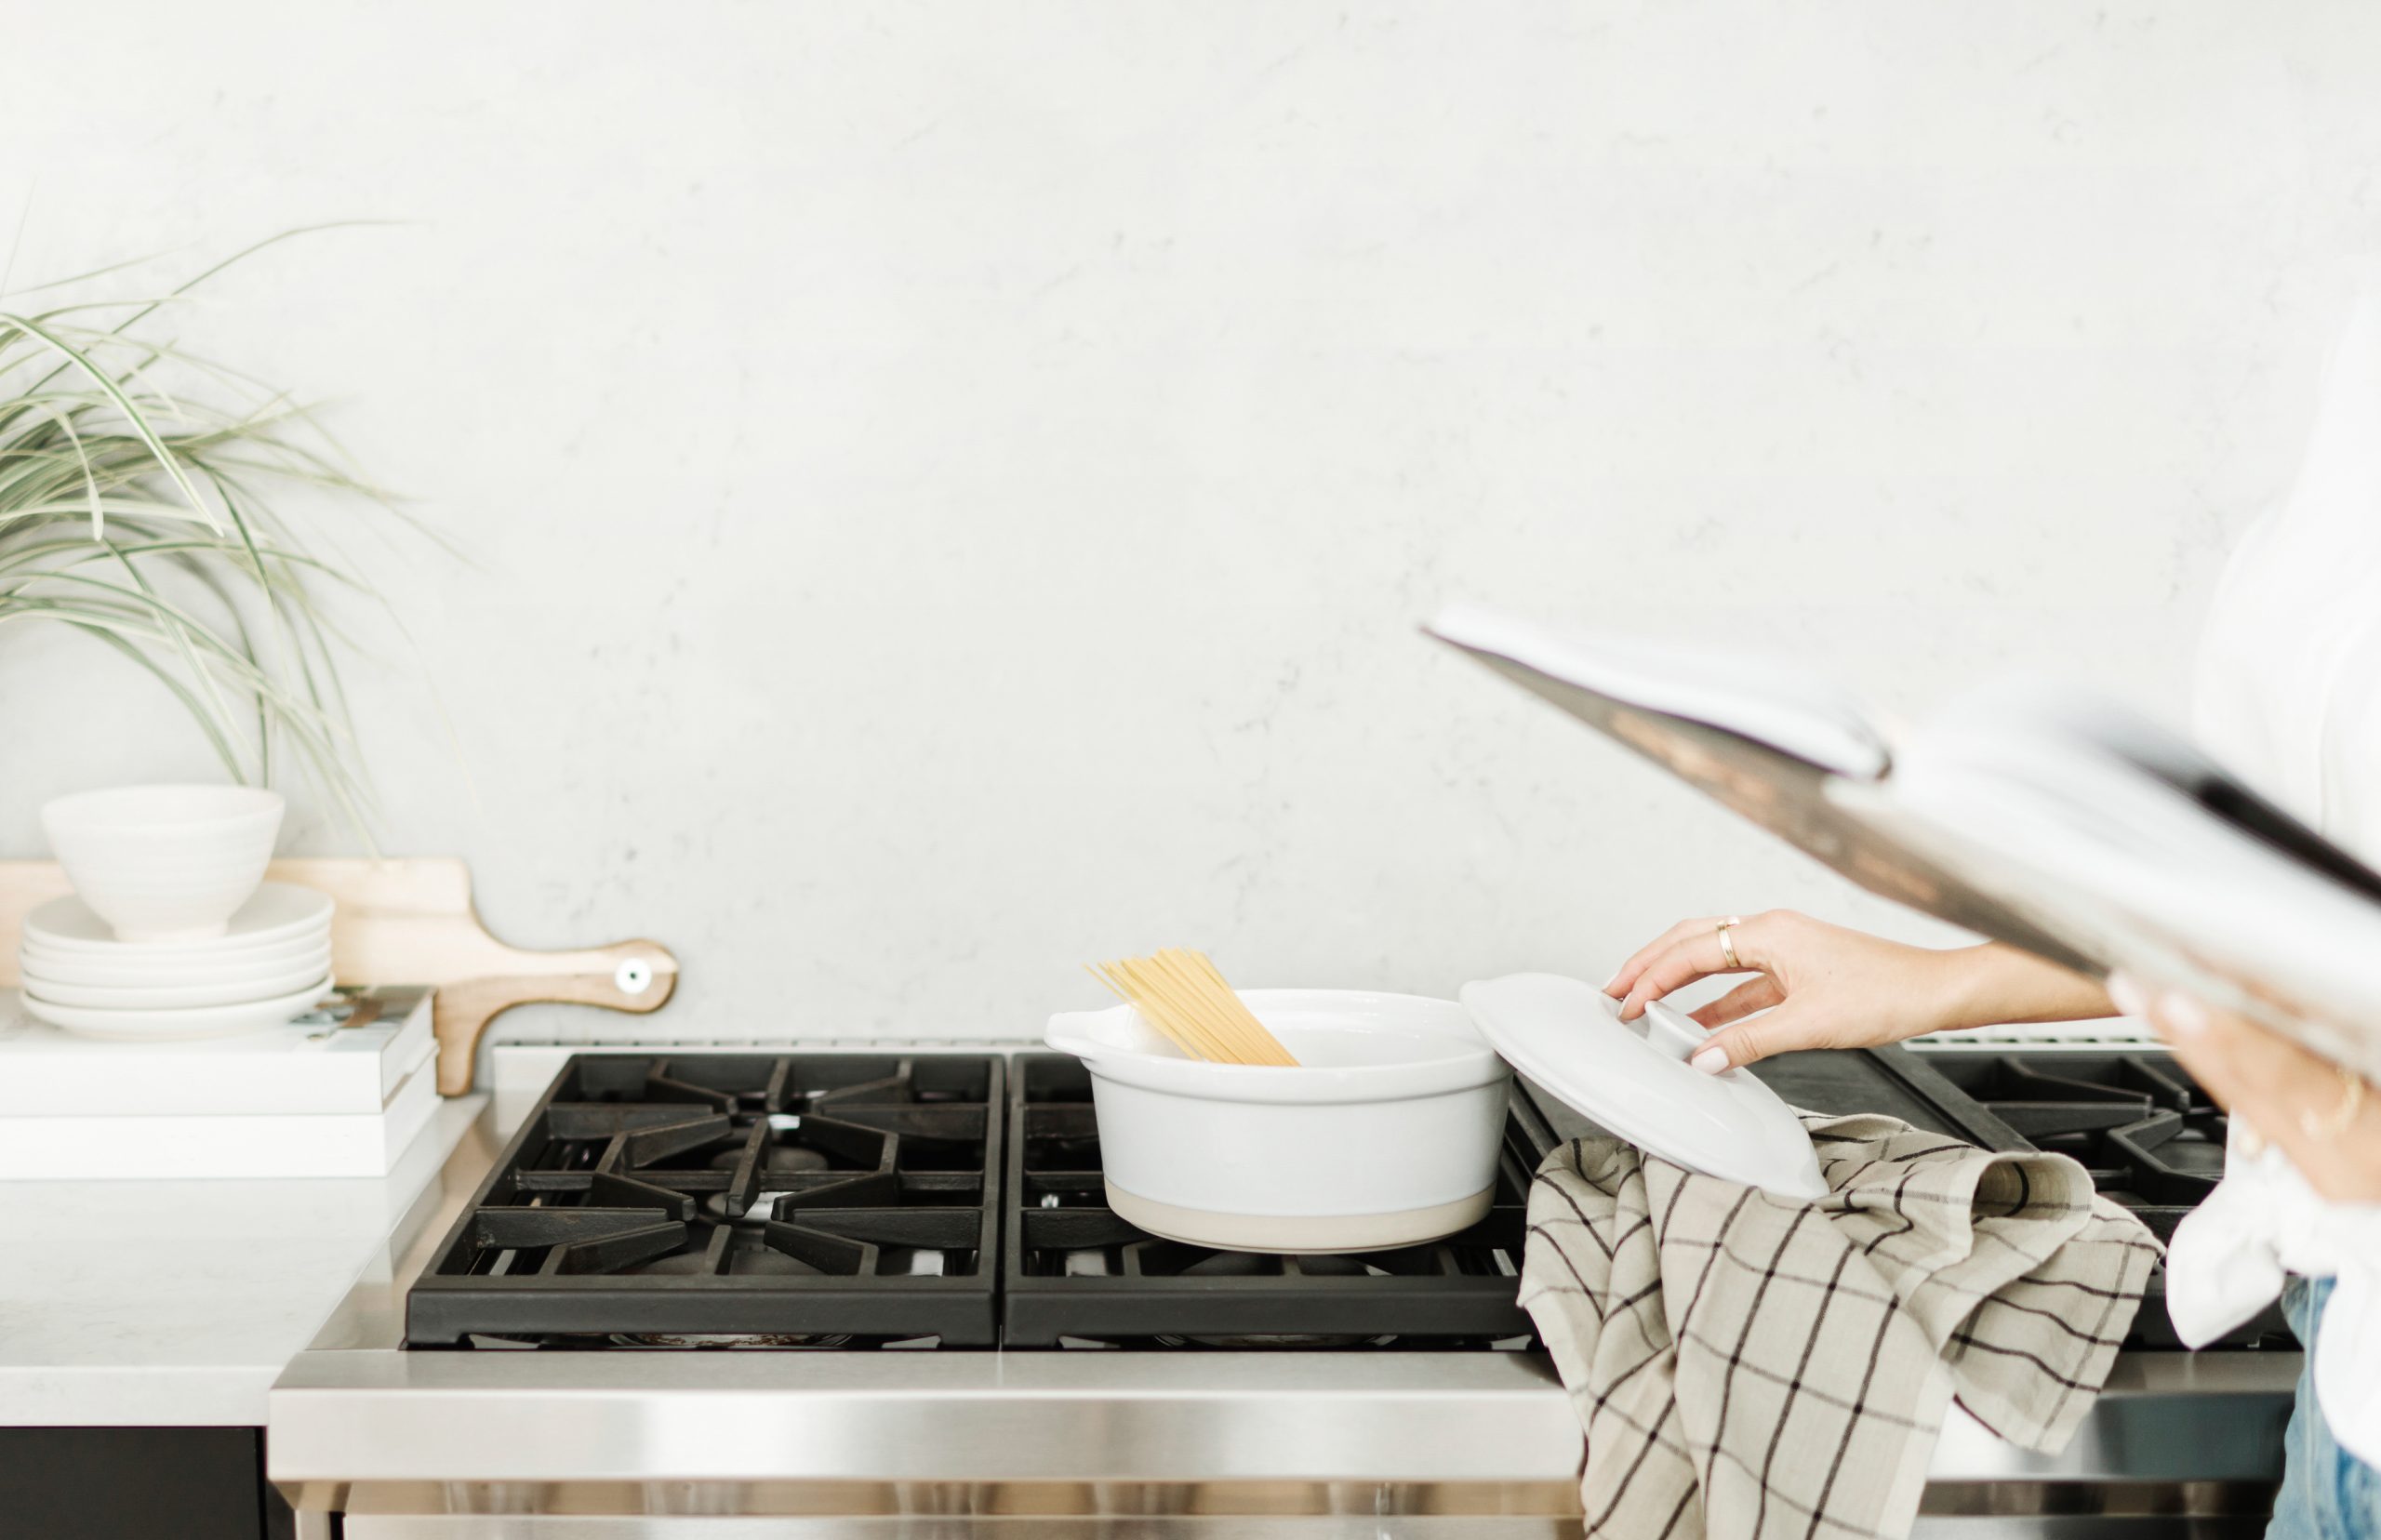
(411,921)
(626,975)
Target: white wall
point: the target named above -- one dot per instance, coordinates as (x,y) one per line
(952,487)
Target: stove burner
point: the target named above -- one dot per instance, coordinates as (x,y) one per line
(1076,1275)
(733,1200)
(2149,1136)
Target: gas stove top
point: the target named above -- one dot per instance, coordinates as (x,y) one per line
(733,1201)
(2150,1137)
(857,1200)
(655,1209)
(1074,1275)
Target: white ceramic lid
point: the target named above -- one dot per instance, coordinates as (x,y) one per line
(1633,1078)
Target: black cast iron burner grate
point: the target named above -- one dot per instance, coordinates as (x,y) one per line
(2150,1137)
(1076,1275)
(733,1200)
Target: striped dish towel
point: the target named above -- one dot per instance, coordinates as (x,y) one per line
(1745,1365)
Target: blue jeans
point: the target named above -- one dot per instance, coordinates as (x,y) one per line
(2327,1494)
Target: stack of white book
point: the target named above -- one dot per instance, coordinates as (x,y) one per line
(340,1091)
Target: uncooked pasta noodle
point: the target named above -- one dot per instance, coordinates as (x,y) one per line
(1181,994)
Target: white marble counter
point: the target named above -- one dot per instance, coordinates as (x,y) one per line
(171,1303)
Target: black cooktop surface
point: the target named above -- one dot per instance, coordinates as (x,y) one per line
(814,1199)
(1075,1275)
(2150,1137)
(733,1200)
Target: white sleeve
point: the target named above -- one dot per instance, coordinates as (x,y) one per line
(2284,691)
(2288,692)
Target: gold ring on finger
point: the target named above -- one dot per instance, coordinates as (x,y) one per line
(1727,942)
(2323,1127)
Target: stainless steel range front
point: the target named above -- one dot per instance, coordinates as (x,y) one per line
(873,1293)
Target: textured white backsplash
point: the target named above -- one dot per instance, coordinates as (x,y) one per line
(952,487)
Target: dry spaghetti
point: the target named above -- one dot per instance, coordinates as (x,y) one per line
(1181,994)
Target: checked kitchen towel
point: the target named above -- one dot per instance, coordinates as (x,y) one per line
(1745,1365)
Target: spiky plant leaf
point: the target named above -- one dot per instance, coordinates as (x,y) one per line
(110,443)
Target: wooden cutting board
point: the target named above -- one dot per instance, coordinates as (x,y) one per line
(411,921)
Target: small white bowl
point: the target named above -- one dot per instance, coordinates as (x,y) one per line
(164,863)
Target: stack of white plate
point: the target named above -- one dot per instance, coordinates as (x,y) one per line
(271,962)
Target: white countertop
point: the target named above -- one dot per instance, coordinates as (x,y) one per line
(177,1303)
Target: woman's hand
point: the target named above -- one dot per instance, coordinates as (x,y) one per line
(2326,1120)
(1823,986)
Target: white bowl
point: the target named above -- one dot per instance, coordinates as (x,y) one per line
(164,863)
(1385,1134)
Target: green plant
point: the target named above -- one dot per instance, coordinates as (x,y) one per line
(134,480)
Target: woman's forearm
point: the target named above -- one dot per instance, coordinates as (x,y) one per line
(1814,985)
(1995,983)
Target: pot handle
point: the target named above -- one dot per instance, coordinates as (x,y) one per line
(1063,1035)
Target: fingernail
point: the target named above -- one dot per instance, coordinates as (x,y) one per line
(2126,995)
(1711,1058)
(1609,983)
(2181,1015)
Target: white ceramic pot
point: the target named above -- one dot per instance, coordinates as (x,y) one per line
(164,863)
(1386,1135)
